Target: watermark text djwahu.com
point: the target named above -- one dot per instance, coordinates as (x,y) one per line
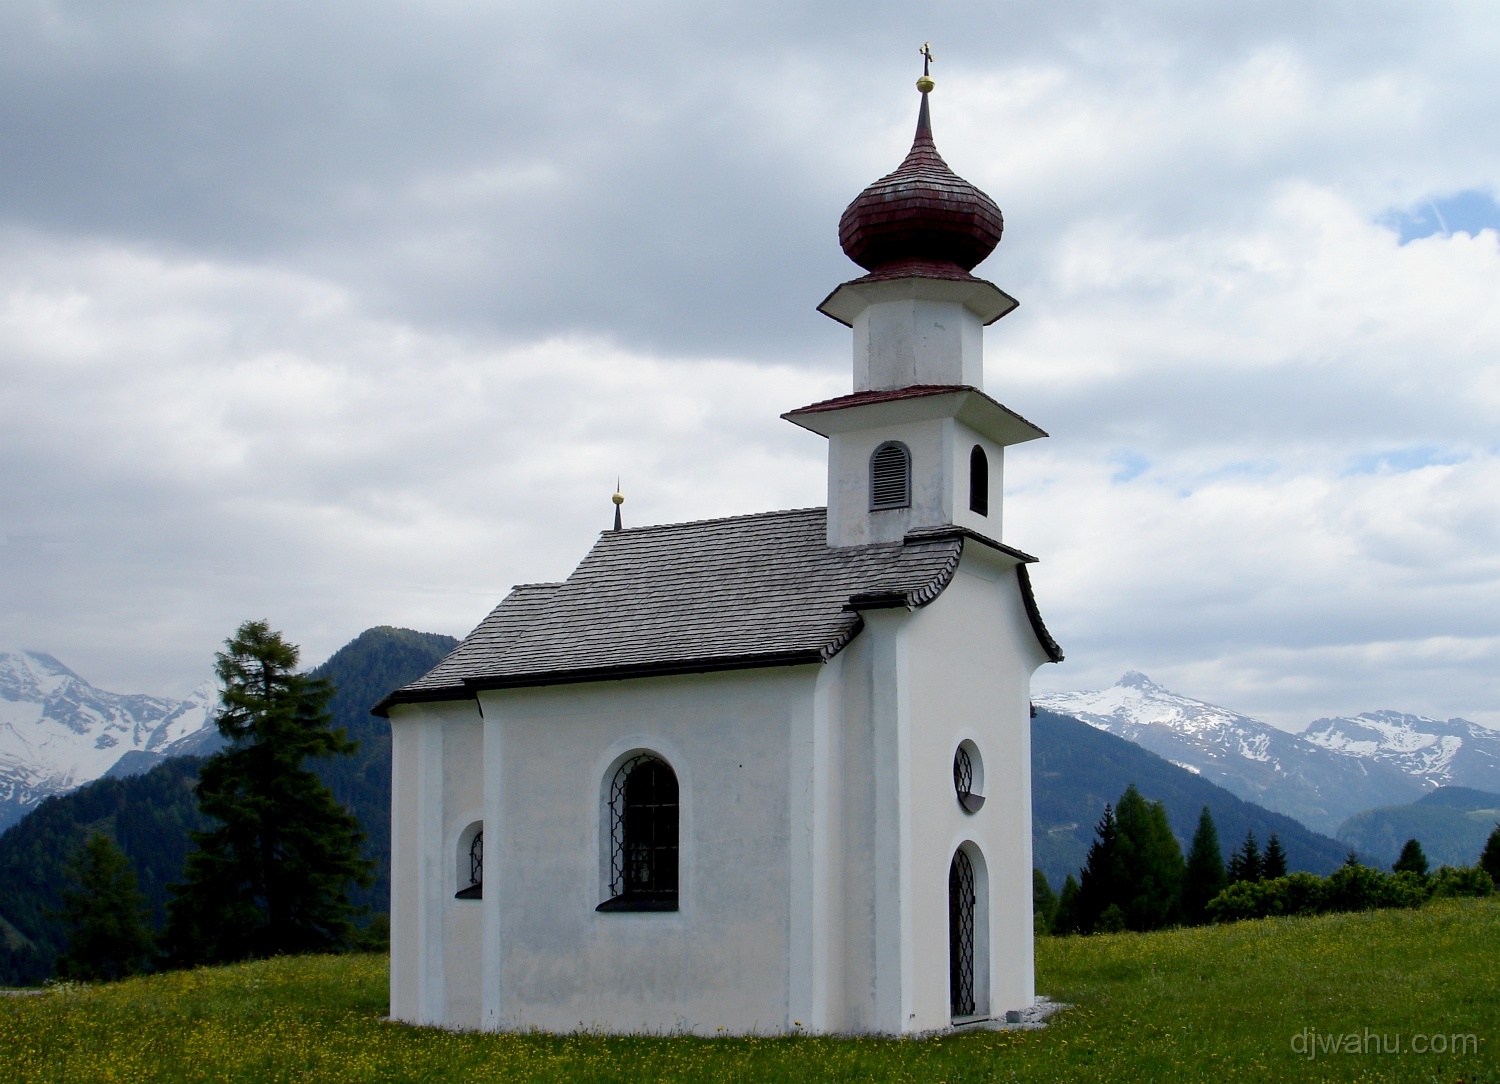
(1311,1043)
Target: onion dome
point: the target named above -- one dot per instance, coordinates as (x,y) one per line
(922,220)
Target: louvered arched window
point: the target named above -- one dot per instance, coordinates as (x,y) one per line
(890,476)
(979,481)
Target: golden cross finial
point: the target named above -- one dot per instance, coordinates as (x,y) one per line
(925,83)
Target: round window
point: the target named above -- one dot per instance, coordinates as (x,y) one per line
(968,776)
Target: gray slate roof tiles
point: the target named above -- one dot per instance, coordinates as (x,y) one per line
(719,594)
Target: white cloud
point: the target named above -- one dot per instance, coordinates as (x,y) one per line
(343,317)
(204,443)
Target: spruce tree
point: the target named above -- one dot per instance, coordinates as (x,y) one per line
(1043,902)
(1489,858)
(1273,862)
(1245,862)
(1097,881)
(1205,877)
(1066,919)
(273,876)
(105,915)
(1412,860)
(1149,868)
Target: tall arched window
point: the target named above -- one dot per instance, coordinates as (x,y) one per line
(890,476)
(961,935)
(643,809)
(979,481)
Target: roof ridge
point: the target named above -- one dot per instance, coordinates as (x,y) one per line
(647,528)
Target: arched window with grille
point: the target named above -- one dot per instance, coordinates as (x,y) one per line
(968,934)
(979,481)
(890,476)
(643,815)
(471,863)
(961,936)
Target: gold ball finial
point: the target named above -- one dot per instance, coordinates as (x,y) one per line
(925,83)
(618,498)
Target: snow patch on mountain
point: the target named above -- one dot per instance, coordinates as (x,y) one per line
(1455,752)
(1319,784)
(58,732)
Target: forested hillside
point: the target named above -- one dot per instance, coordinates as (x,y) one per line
(1076,769)
(1451,823)
(150,815)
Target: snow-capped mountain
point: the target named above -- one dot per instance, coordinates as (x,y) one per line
(58,732)
(1456,753)
(1319,785)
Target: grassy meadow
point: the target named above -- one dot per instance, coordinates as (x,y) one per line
(1210,1004)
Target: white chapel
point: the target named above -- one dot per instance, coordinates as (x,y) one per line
(769,773)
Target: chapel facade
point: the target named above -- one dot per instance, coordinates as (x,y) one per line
(769,773)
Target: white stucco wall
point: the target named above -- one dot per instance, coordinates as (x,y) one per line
(723,959)
(940,449)
(436,791)
(911,340)
(969,657)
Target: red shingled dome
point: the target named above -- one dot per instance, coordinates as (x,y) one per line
(922,219)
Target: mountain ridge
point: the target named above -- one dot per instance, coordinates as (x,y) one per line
(58,731)
(1334,769)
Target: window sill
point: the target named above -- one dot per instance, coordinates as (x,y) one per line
(662,902)
(972,803)
(473,892)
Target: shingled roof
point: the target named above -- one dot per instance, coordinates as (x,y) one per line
(721,594)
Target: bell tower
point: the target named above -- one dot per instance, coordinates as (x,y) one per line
(918,444)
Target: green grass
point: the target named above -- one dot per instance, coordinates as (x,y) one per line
(1216,1004)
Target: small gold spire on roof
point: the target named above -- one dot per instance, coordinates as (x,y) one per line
(925,83)
(619,499)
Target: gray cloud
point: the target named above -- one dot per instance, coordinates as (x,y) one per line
(342,315)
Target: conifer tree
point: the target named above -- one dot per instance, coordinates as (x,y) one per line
(1489,858)
(1066,919)
(273,876)
(1149,867)
(1097,882)
(1205,877)
(105,915)
(1273,862)
(1412,859)
(1245,862)
(1043,902)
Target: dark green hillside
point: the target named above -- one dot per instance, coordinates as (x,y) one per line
(1451,823)
(149,816)
(363,671)
(1076,769)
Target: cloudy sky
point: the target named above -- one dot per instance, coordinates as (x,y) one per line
(350,313)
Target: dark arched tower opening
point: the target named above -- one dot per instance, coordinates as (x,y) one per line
(979,481)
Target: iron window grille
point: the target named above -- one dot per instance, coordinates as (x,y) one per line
(979,481)
(963,781)
(643,814)
(475,889)
(890,476)
(961,935)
